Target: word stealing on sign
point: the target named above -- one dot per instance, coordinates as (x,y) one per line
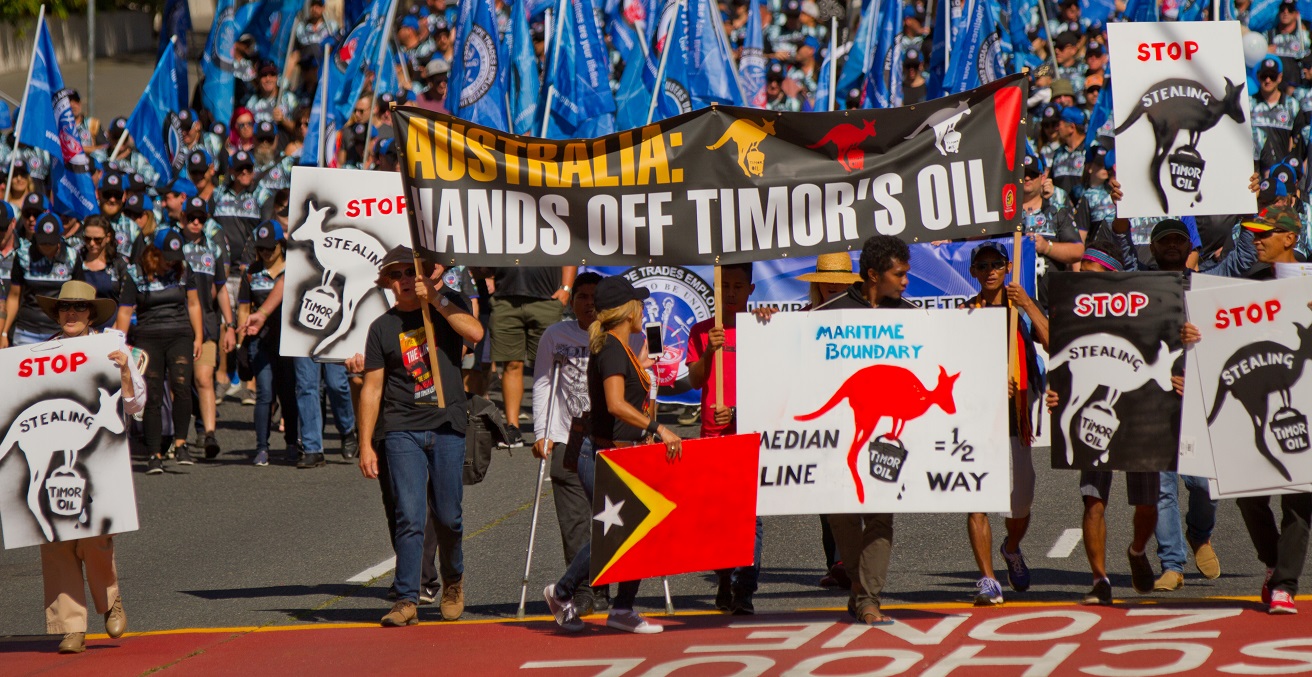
(56,364)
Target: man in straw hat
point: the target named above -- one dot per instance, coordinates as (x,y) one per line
(832,276)
(77,311)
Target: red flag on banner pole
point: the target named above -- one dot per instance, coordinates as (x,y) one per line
(654,517)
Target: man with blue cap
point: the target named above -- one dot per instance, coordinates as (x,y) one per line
(1276,116)
(1067,170)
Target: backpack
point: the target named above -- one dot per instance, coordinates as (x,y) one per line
(485,428)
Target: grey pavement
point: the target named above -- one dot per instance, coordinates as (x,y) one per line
(226,544)
(119,82)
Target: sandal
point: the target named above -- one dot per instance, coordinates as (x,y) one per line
(871,615)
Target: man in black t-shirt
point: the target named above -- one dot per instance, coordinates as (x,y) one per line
(526,301)
(424,442)
(865,541)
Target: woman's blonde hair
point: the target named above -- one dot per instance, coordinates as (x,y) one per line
(607,320)
(148,230)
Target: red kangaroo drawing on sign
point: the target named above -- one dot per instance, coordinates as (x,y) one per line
(846,138)
(885,390)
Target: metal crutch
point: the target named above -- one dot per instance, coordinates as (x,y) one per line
(537,496)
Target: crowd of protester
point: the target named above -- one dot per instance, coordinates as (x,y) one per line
(193,266)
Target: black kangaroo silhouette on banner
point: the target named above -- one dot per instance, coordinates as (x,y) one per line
(1273,367)
(1182,112)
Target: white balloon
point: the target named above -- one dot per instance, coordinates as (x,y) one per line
(1255,48)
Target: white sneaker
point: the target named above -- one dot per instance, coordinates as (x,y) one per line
(233,389)
(566,615)
(629,620)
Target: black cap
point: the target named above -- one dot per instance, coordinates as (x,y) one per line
(20,167)
(136,204)
(196,205)
(1270,64)
(33,204)
(1093,49)
(911,57)
(137,183)
(1167,227)
(49,230)
(615,291)
(1066,39)
(774,72)
(218,129)
(241,160)
(268,234)
(186,118)
(985,247)
(111,183)
(169,243)
(266,130)
(198,162)
(267,68)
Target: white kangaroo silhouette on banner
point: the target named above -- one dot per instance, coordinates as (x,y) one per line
(335,250)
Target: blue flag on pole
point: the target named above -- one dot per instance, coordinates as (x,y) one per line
(321,116)
(673,96)
(6,116)
(153,126)
(977,53)
(1097,10)
(479,71)
(272,24)
(711,72)
(884,80)
(525,86)
(217,63)
(751,63)
(48,124)
(1261,14)
(633,97)
(580,78)
(176,22)
(1141,10)
(950,20)
(863,49)
(622,33)
(353,59)
(1192,10)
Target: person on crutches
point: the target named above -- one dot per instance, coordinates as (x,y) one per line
(560,386)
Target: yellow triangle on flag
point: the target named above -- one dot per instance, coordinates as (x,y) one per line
(657,505)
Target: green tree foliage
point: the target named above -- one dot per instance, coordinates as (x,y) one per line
(21,11)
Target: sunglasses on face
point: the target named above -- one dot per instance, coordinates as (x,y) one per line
(77,307)
(1266,234)
(1268,76)
(987,266)
(96,240)
(112,198)
(406,273)
(245,124)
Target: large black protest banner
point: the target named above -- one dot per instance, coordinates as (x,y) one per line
(1115,340)
(718,185)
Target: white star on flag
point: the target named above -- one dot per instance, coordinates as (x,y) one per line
(610,516)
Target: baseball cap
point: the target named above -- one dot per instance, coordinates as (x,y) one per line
(186,118)
(1093,49)
(218,129)
(33,204)
(241,160)
(1073,115)
(615,291)
(1062,87)
(985,247)
(6,215)
(1281,180)
(137,204)
(911,58)
(1270,64)
(182,186)
(268,234)
(117,125)
(268,68)
(49,230)
(811,9)
(774,72)
(136,183)
(812,42)
(1289,4)
(411,22)
(169,243)
(1033,165)
(1066,39)
(70,93)
(793,7)
(265,130)
(1099,155)
(199,161)
(196,205)
(1275,218)
(111,182)
(1169,227)
(436,66)
(20,167)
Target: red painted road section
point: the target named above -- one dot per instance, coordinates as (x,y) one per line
(1205,638)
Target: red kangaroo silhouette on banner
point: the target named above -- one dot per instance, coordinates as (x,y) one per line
(885,390)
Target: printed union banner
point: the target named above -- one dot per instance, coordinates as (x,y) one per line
(341,222)
(65,473)
(1256,341)
(877,410)
(1182,118)
(718,185)
(1115,340)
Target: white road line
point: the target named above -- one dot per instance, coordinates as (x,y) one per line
(1066,543)
(374,571)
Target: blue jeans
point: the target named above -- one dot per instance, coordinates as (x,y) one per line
(309,404)
(423,466)
(578,570)
(27,338)
(1199,520)
(273,376)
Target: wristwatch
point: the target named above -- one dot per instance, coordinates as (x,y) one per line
(564,287)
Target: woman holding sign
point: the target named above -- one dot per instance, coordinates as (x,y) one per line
(77,312)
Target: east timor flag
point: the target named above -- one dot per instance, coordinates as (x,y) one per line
(654,517)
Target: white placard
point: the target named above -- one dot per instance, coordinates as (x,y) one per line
(1256,343)
(1288,270)
(341,222)
(877,410)
(1183,139)
(65,471)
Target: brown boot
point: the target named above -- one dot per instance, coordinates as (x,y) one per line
(453,600)
(116,621)
(74,642)
(403,613)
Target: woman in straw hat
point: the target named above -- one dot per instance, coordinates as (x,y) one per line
(78,312)
(833,274)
